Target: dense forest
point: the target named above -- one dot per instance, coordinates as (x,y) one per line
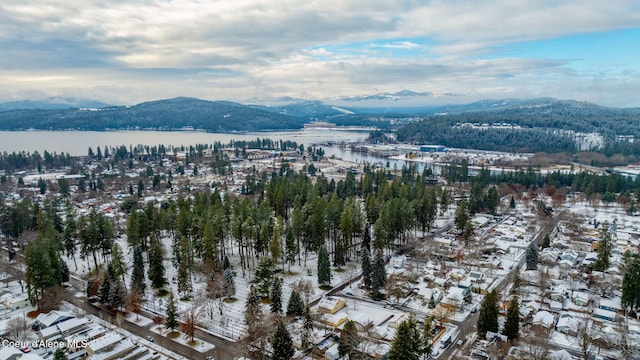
(543,127)
(171,114)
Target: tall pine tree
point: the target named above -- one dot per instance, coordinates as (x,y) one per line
(407,344)
(366,267)
(488,317)
(378,274)
(349,340)
(295,306)
(605,245)
(137,273)
(171,321)
(252,308)
(276,296)
(532,257)
(512,325)
(281,343)
(324,267)
(156,267)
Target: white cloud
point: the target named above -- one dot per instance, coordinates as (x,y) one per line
(236,49)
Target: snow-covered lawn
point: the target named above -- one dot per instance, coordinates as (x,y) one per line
(198,345)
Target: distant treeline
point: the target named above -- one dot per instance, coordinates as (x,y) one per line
(542,129)
(18,161)
(214,116)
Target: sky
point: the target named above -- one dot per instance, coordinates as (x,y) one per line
(259,51)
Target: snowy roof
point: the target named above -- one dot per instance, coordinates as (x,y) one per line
(10,352)
(53,317)
(604,314)
(103,342)
(544,318)
(330,304)
(560,355)
(121,348)
(567,323)
(71,324)
(611,304)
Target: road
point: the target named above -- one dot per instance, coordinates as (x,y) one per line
(224,349)
(469,325)
(143,331)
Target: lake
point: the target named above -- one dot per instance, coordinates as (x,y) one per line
(78,142)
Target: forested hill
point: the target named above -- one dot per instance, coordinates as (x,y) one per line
(546,125)
(177,113)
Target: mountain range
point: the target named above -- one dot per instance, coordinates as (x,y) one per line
(289,113)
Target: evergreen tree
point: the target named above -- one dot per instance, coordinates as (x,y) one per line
(156,267)
(517,281)
(546,241)
(117,261)
(427,337)
(171,320)
(512,325)
(378,273)
(467,296)
(366,267)
(276,296)
(117,294)
(291,248)
(532,257)
(307,326)
(282,343)
(349,340)
(64,276)
(42,267)
(605,246)
(366,238)
(295,306)
(512,202)
(263,276)
(184,280)
(137,273)
(488,316)
(229,284)
(407,344)
(493,200)
(324,267)
(462,215)
(631,285)
(252,308)
(432,302)
(105,290)
(59,354)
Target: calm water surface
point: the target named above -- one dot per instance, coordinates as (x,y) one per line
(78,142)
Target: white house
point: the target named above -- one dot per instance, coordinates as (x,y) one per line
(544,319)
(16,301)
(567,324)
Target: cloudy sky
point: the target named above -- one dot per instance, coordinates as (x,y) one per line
(128,51)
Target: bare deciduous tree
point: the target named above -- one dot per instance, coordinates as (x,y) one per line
(217,291)
(585,336)
(17,328)
(190,321)
(537,342)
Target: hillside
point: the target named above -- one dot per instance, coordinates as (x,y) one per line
(547,125)
(177,113)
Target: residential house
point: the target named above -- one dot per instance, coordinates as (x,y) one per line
(330,305)
(604,314)
(614,305)
(567,324)
(16,301)
(544,319)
